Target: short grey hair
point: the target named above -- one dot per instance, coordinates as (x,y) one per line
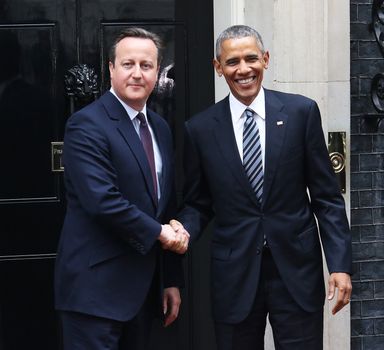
(237,32)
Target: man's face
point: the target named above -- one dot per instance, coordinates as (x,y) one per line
(134,72)
(242,63)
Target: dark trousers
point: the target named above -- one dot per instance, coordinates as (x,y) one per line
(293,328)
(86,332)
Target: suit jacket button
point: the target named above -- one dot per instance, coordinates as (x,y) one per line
(258,251)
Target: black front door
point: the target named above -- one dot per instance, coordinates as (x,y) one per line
(52,62)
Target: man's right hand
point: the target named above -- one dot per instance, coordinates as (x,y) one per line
(172,240)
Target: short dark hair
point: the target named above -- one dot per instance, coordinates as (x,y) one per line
(136,32)
(237,32)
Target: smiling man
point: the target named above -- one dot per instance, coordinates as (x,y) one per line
(111,273)
(257,163)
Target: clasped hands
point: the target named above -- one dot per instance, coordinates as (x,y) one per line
(174,237)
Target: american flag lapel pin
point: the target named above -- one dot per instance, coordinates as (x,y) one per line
(279,122)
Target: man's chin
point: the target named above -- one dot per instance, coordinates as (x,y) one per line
(247,99)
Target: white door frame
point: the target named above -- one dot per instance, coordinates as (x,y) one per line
(309,43)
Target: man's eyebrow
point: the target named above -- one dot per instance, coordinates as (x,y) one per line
(250,56)
(255,55)
(231,59)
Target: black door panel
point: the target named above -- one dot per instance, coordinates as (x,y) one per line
(41,41)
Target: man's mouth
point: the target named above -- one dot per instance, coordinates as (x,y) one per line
(245,81)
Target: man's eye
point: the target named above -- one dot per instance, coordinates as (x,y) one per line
(252,58)
(231,63)
(146,66)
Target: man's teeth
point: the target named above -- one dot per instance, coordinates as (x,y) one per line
(245,81)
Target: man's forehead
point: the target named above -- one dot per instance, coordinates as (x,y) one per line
(240,44)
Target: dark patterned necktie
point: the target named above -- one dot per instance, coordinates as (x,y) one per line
(146,140)
(252,155)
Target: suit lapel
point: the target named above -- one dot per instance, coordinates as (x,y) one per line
(163,181)
(225,138)
(275,127)
(125,127)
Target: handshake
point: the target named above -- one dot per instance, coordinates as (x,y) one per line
(174,237)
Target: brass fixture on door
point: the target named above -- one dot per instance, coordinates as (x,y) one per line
(337,153)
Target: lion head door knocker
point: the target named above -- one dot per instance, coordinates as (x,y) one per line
(81,86)
(162,99)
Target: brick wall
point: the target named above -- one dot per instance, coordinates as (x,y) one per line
(367,184)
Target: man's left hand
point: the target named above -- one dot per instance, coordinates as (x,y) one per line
(341,281)
(171,304)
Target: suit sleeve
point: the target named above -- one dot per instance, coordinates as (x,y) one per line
(172,263)
(173,270)
(326,199)
(92,178)
(197,210)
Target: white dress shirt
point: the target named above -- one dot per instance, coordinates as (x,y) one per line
(238,119)
(132,113)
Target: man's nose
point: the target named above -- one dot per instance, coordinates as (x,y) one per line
(136,71)
(243,67)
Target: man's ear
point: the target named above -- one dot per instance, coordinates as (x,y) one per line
(218,67)
(266,59)
(111,67)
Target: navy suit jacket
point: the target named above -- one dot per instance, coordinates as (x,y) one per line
(108,248)
(299,185)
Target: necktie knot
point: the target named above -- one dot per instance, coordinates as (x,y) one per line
(142,119)
(249,113)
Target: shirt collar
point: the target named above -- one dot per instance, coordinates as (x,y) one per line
(132,113)
(257,105)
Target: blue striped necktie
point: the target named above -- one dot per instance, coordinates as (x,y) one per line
(252,155)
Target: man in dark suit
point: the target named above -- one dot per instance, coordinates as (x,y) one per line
(110,269)
(257,162)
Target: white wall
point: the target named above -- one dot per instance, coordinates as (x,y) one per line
(309,46)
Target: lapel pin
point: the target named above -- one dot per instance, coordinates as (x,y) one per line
(280,122)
